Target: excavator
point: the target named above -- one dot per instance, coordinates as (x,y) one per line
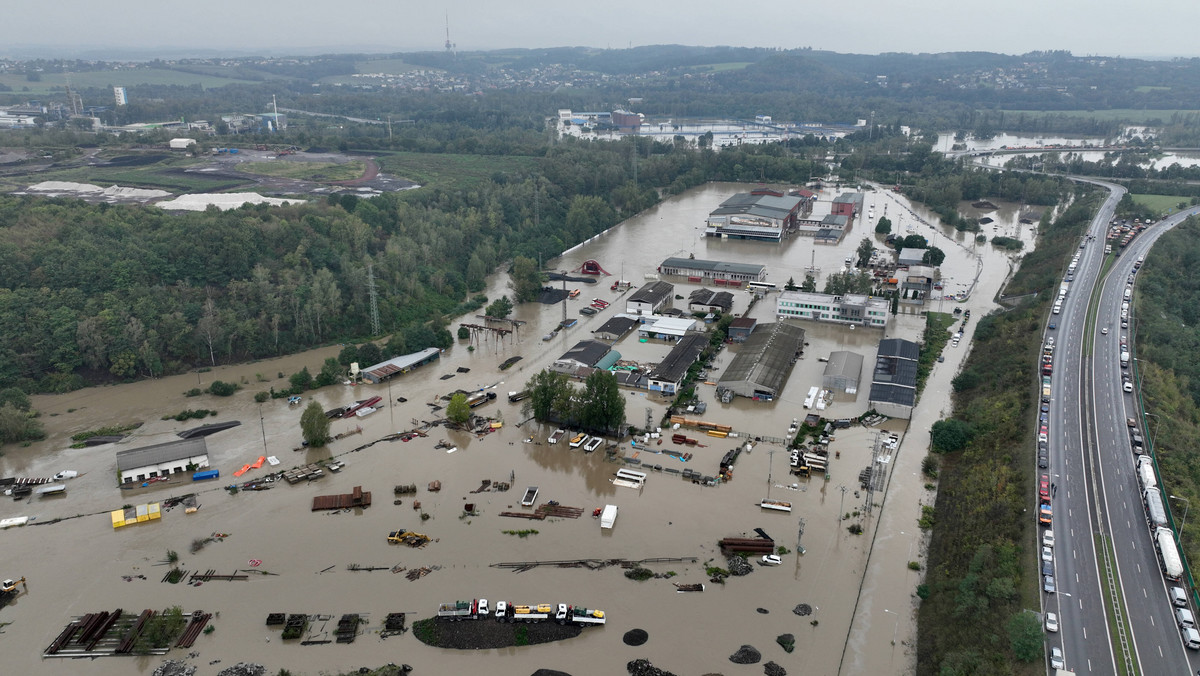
(409,538)
(10,586)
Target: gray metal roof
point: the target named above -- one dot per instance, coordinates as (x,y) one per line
(898,347)
(588,352)
(714,266)
(765,358)
(673,367)
(843,363)
(617,326)
(160,453)
(768,206)
(849,198)
(893,394)
(653,293)
(835,220)
(721,299)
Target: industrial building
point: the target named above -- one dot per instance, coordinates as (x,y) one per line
(762,364)
(848,204)
(173,457)
(915,285)
(586,354)
(697,270)
(842,371)
(894,383)
(615,328)
(856,309)
(650,298)
(760,215)
(670,372)
(911,256)
(741,328)
(666,328)
(707,300)
(399,365)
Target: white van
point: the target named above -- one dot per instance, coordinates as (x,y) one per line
(1048,540)
(1178,597)
(1191,638)
(1185,619)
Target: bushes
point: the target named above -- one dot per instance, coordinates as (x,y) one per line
(221,389)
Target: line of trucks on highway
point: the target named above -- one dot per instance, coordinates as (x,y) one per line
(478,609)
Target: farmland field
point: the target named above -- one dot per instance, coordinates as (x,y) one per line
(450,170)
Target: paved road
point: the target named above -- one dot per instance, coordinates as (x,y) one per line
(1083,635)
(1098,499)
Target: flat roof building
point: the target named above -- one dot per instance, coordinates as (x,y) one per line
(911,256)
(696,269)
(173,457)
(741,328)
(666,328)
(761,366)
(851,308)
(894,383)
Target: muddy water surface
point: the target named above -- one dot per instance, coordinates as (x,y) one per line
(77,565)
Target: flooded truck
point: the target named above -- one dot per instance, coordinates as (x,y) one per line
(463,610)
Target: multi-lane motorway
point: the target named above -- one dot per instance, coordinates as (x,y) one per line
(1102,543)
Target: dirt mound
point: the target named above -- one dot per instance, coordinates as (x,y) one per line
(772,669)
(483,635)
(802,609)
(747,654)
(635,637)
(549,672)
(644,668)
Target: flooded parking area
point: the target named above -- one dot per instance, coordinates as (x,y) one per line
(81,564)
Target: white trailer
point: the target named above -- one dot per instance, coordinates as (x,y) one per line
(1156,513)
(1172,566)
(1145,468)
(608,516)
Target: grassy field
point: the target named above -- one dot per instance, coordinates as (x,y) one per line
(107,78)
(1159,203)
(455,172)
(307,171)
(1125,114)
(160,176)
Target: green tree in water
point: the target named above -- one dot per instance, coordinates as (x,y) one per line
(314,425)
(458,412)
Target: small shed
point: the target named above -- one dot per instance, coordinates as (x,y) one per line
(741,328)
(842,372)
(910,256)
(181,143)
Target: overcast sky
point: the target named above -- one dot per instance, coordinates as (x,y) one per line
(1102,27)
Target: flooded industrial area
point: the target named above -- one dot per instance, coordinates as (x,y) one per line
(858,588)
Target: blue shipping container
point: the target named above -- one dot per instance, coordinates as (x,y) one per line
(207,474)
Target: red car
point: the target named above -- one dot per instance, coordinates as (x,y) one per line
(1044,487)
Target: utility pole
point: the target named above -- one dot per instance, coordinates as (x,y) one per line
(374,299)
(263,426)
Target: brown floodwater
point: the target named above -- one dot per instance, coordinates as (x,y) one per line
(78,565)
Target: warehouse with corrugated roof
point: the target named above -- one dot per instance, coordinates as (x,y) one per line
(894,383)
(762,364)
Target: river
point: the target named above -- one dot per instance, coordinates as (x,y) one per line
(80,565)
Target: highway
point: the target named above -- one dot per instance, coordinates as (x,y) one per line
(1098,498)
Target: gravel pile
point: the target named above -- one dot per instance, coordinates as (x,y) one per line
(802,609)
(762,611)
(635,637)
(747,654)
(739,566)
(644,668)
(174,668)
(244,669)
(772,669)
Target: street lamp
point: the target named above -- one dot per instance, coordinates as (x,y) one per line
(1154,434)
(897,626)
(1187,504)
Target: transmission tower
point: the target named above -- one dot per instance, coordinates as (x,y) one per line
(374,299)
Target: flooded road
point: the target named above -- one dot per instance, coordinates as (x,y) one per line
(79,565)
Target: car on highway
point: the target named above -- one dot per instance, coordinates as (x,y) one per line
(1047,567)
(1128,386)
(1044,487)
(1056,659)
(1045,407)
(1051,623)
(1053,326)
(1047,554)
(1130,422)
(1043,460)
(1048,584)
(1104,331)
(1124,324)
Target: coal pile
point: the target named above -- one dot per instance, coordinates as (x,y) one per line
(786,641)
(644,668)
(550,672)
(636,637)
(739,566)
(772,669)
(747,654)
(244,669)
(802,609)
